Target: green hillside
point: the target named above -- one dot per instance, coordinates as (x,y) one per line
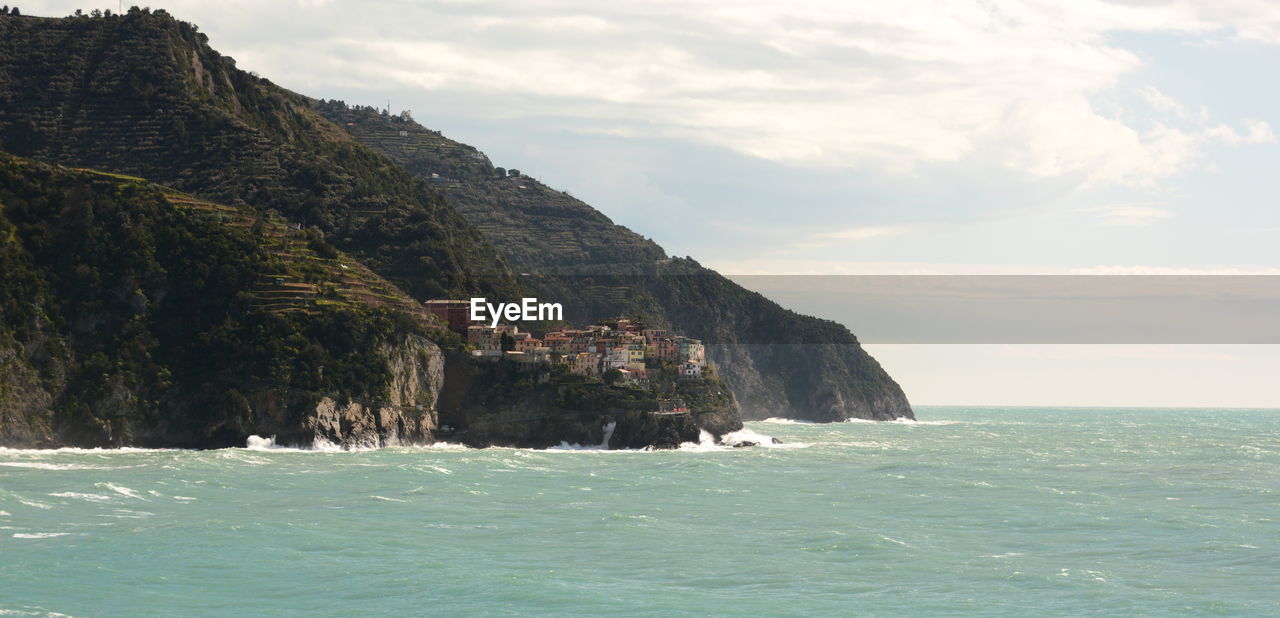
(134,314)
(143,94)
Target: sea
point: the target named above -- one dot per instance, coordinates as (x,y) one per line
(971,510)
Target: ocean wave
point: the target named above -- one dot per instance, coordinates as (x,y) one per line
(319,445)
(81,496)
(40,465)
(566,446)
(38,535)
(259,443)
(22,612)
(749,435)
(444,446)
(124,491)
(603,446)
(85,451)
(778,420)
(707,443)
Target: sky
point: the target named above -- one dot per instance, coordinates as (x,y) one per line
(816,137)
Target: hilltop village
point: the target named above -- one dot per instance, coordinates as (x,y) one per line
(618,351)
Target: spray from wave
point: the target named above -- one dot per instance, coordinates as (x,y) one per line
(603,446)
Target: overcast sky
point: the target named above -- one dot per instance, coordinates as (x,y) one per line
(856,137)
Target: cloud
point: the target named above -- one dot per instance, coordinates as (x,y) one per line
(1257,132)
(864,233)
(1129,215)
(1162,102)
(816,83)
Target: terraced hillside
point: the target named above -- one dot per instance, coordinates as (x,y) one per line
(538,228)
(304,274)
(778,362)
(143,94)
(133,314)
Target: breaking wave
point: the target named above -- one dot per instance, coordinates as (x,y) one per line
(38,535)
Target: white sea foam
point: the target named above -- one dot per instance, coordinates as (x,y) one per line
(706,442)
(603,446)
(81,496)
(324,446)
(566,446)
(33,504)
(892,540)
(388,499)
(786,421)
(318,445)
(22,612)
(446,446)
(748,435)
(40,465)
(38,535)
(94,451)
(124,491)
(608,433)
(259,443)
(129,514)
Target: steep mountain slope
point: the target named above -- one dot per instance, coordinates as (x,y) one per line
(131,314)
(778,362)
(113,337)
(144,94)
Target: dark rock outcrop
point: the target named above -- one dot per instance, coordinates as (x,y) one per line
(499,404)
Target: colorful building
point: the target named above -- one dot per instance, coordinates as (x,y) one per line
(455,313)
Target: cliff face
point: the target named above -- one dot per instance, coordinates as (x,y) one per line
(28,419)
(778,362)
(775,377)
(409,416)
(134,315)
(488,404)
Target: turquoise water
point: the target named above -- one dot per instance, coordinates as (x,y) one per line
(1007,511)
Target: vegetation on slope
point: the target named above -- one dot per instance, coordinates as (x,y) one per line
(130,313)
(144,94)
